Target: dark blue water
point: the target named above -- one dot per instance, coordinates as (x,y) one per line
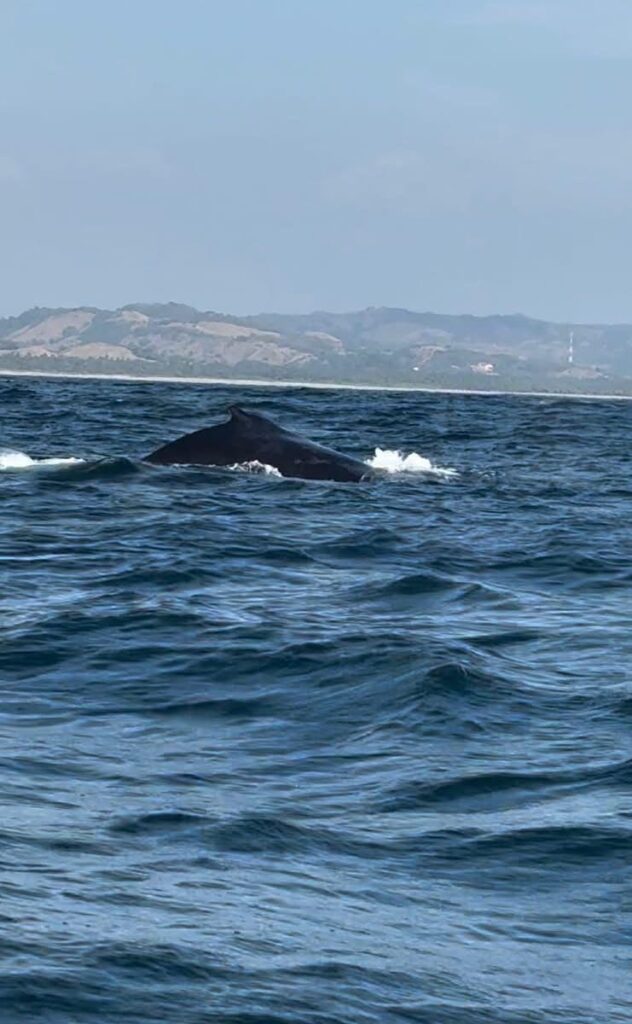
(279,751)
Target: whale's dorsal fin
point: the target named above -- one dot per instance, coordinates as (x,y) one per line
(245,418)
(238,414)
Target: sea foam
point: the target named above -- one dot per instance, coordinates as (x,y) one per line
(19,460)
(394,462)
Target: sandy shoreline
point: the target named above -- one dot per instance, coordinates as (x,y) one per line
(245,382)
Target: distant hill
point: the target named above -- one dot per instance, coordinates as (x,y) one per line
(373,346)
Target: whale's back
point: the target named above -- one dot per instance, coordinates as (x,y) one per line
(251,436)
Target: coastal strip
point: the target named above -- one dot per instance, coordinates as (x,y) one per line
(316,385)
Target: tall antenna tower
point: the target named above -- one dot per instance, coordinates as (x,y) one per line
(571,340)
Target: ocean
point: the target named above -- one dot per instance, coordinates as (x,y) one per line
(283,752)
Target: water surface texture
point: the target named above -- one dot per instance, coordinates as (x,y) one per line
(278,751)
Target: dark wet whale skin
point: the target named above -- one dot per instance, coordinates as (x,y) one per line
(248,437)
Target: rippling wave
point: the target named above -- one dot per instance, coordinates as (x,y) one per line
(283,751)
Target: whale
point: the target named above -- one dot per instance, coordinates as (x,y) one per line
(251,437)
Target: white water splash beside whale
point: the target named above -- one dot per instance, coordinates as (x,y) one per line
(20,460)
(392,461)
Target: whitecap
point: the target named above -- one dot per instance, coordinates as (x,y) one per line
(20,460)
(394,462)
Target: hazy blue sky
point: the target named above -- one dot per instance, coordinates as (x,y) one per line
(246,155)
